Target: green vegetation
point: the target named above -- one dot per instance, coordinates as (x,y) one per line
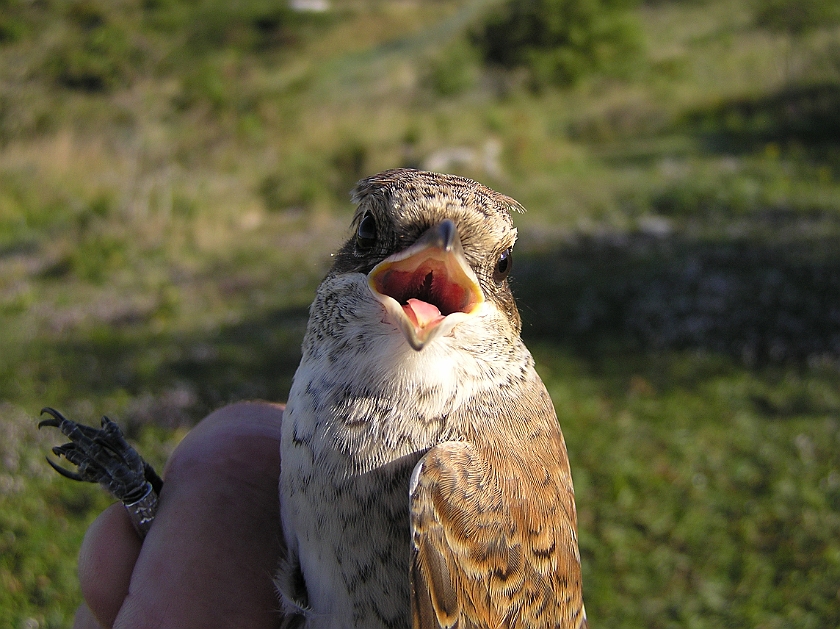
(796,17)
(174,175)
(560,41)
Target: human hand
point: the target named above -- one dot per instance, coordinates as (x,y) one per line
(209,558)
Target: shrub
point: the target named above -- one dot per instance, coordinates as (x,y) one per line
(96,52)
(796,16)
(561,41)
(248,26)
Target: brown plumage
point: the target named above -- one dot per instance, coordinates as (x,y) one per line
(425,480)
(494,541)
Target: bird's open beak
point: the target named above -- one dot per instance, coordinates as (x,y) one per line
(428,288)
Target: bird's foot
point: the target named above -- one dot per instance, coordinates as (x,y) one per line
(103,456)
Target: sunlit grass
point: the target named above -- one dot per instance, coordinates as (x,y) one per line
(162,233)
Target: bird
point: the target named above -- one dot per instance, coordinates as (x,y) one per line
(424,479)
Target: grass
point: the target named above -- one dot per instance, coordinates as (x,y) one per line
(171,188)
(696,508)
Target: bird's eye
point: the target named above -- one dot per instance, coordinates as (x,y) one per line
(366,234)
(503,266)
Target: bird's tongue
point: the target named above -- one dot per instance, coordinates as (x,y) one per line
(422,314)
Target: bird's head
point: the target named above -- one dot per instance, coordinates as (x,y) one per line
(436,250)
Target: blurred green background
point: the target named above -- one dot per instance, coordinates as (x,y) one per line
(174,175)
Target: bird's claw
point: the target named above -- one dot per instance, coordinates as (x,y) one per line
(102,456)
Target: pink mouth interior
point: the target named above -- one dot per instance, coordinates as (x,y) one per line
(422,314)
(426,294)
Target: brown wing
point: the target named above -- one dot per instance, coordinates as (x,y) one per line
(494,541)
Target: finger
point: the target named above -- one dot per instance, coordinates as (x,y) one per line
(209,558)
(84,618)
(106,561)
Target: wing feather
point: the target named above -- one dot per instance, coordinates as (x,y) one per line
(494,541)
